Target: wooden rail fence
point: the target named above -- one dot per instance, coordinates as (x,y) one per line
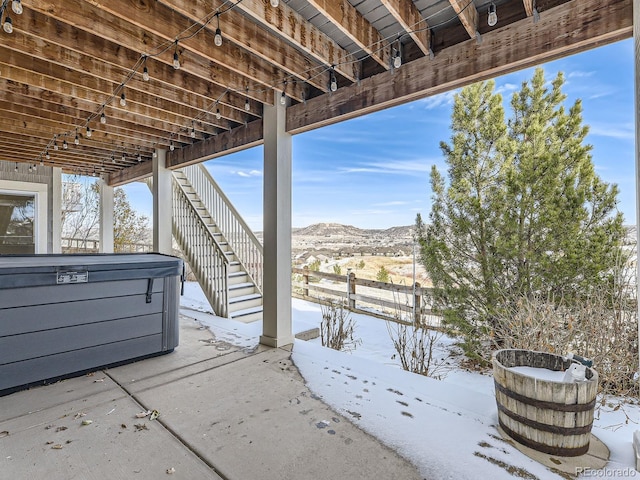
(409,299)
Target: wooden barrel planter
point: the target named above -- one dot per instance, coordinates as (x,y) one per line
(553,417)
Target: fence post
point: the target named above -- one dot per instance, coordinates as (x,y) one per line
(351,289)
(417,303)
(305,280)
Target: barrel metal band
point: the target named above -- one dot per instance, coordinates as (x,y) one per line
(545,427)
(540,447)
(559,407)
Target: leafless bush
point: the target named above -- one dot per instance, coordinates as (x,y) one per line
(415,344)
(337,328)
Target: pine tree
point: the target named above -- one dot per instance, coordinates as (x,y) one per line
(521,210)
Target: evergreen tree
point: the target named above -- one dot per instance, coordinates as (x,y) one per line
(521,211)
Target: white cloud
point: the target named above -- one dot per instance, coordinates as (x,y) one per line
(396,167)
(624,131)
(507,88)
(441,100)
(250,173)
(580,74)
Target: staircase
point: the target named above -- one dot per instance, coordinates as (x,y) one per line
(222,251)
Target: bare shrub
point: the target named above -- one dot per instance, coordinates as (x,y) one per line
(337,327)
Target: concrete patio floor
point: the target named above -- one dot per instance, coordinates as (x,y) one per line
(225,413)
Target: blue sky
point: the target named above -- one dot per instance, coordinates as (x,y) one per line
(373,171)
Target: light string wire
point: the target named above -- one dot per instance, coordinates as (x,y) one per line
(310,74)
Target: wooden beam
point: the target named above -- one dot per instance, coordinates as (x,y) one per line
(468,14)
(572,27)
(255,39)
(528,7)
(240,138)
(285,21)
(93,17)
(408,15)
(131,174)
(349,21)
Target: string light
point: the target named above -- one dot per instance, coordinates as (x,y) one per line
(123,100)
(65,145)
(193,131)
(172,147)
(247,106)
(275,3)
(218,114)
(176,58)
(113,158)
(42,161)
(283,98)
(139,157)
(397,58)
(145,73)
(155,154)
(16,169)
(103,118)
(77,139)
(88,131)
(492,19)
(217,38)
(16,6)
(46,154)
(7,26)
(124,157)
(333,83)
(55,142)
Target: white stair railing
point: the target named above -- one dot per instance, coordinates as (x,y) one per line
(241,238)
(206,257)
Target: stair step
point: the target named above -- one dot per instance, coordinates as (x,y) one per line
(245,298)
(248,315)
(241,289)
(235,304)
(238,286)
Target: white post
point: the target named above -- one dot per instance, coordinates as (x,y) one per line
(636,37)
(106,217)
(162,208)
(276,323)
(56,201)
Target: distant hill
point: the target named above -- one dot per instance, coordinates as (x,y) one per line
(339,230)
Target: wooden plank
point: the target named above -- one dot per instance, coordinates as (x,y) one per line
(572,27)
(528,7)
(241,30)
(119,28)
(239,138)
(290,24)
(408,15)
(131,174)
(468,15)
(314,287)
(351,22)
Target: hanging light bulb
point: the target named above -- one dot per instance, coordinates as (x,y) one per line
(88,131)
(275,3)
(283,98)
(7,26)
(176,58)
(172,147)
(155,154)
(113,158)
(247,105)
(103,118)
(397,60)
(493,15)
(77,139)
(16,6)
(55,142)
(65,145)
(30,169)
(139,158)
(193,131)
(124,157)
(46,154)
(145,74)
(16,169)
(218,114)
(333,84)
(123,100)
(217,39)
(41,162)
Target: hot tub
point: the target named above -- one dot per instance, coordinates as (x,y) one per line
(62,315)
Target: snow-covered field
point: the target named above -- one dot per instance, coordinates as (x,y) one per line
(445,427)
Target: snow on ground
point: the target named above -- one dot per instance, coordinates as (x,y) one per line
(445,427)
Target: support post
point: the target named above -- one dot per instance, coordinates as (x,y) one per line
(162,208)
(56,227)
(351,290)
(305,280)
(636,41)
(276,321)
(106,217)
(417,304)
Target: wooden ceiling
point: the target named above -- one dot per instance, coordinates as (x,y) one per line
(68,62)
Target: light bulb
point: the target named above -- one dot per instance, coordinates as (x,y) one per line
(30,168)
(334,84)
(16,6)
(123,100)
(55,145)
(397,60)
(275,3)
(16,169)
(155,154)
(172,147)
(65,145)
(176,61)
(124,157)
(139,158)
(283,98)
(217,39)
(103,118)
(77,139)
(46,154)
(218,114)
(493,16)
(247,105)
(7,26)
(88,132)
(193,132)
(145,74)
(113,159)
(42,162)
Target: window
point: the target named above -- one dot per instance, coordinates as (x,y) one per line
(17,223)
